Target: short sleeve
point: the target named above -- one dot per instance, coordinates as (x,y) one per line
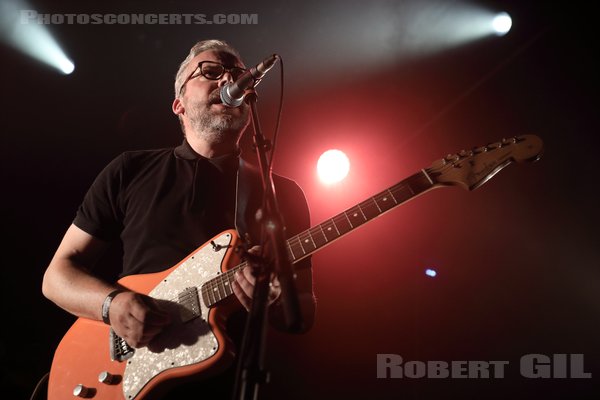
(100,213)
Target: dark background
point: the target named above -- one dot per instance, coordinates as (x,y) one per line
(517,260)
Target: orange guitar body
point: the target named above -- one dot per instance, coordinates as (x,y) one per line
(84,351)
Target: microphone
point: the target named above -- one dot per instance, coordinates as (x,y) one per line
(232,94)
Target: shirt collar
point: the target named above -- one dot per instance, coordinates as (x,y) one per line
(225,162)
(185,151)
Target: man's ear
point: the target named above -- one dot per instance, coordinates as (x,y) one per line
(178,107)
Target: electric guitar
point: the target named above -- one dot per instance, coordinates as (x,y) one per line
(91,361)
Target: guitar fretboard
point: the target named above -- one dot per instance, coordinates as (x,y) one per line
(317,237)
(308,242)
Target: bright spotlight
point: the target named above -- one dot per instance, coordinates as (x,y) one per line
(502,23)
(66,66)
(333,166)
(20,29)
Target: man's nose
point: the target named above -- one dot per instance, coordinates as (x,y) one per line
(226,78)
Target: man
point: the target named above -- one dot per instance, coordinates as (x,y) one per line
(163,204)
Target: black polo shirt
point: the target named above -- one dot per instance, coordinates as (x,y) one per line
(165,203)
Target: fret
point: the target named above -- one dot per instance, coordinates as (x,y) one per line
(335,226)
(215,291)
(384,201)
(318,236)
(290,251)
(311,238)
(307,240)
(233,271)
(205,296)
(342,223)
(355,216)
(330,230)
(375,201)
(420,182)
(227,284)
(361,211)
(426,175)
(221,287)
(296,252)
(323,232)
(370,209)
(392,194)
(229,278)
(210,293)
(350,222)
(214,288)
(301,246)
(402,193)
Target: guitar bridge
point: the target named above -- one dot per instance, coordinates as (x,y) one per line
(119,349)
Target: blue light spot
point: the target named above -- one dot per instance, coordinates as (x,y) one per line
(430,272)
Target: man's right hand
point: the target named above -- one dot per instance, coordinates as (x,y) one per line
(137,318)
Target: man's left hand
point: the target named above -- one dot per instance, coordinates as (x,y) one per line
(243,286)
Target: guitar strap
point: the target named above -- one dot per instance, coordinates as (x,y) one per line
(249,195)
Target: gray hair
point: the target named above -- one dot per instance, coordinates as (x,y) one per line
(204,45)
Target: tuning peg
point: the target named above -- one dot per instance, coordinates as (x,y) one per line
(505,142)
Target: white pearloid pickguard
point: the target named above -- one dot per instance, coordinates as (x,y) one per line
(184,343)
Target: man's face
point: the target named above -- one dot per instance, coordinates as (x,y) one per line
(202,108)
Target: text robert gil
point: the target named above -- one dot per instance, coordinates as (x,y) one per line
(530,366)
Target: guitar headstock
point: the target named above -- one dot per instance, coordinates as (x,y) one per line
(472,168)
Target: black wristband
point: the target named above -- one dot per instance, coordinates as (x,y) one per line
(106,305)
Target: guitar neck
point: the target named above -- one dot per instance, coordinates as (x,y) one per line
(311,240)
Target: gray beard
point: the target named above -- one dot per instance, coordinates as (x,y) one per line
(216,127)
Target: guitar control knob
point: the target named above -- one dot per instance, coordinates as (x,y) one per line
(81,391)
(106,377)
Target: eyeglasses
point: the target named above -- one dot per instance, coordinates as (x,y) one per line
(213,71)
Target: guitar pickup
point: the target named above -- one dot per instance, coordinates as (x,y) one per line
(189,304)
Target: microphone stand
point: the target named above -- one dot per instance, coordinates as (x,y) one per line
(251,372)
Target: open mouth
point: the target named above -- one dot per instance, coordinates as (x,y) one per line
(215,97)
